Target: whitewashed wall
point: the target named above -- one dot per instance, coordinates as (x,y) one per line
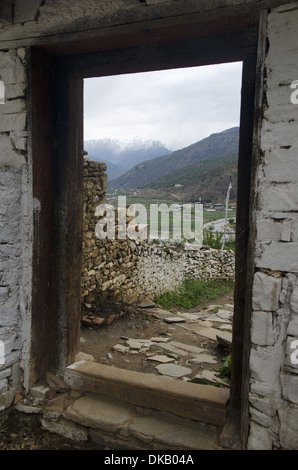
(15,225)
(274,376)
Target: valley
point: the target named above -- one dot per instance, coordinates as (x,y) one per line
(148,174)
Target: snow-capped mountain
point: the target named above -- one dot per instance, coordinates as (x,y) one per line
(121,155)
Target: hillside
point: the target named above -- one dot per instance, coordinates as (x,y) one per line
(223,143)
(207,180)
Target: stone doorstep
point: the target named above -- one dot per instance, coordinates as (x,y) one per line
(203,403)
(111,422)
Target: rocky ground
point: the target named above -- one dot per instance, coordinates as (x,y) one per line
(186,345)
(21,431)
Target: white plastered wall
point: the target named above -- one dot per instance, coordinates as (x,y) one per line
(274,327)
(15,226)
(274,376)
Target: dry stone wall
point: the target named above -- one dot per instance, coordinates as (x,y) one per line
(273,402)
(134,269)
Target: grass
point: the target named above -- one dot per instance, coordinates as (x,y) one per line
(193,292)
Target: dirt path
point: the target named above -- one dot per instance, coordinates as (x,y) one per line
(19,431)
(110,344)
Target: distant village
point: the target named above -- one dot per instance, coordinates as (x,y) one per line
(207,206)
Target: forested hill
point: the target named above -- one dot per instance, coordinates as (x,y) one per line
(150,171)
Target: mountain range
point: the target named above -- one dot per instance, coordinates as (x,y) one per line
(201,170)
(154,170)
(121,156)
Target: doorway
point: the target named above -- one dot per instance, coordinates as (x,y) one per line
(57,130)
(172,106)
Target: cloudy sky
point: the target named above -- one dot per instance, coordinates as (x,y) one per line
(178,107)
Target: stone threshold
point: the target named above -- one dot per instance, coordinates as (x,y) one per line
(116,425)
(201,403)
(122,410)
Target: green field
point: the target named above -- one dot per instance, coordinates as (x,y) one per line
(170,220)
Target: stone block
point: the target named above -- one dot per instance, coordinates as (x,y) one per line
(286,234)
(268,228)
(265,364)
(15,90)
(5,373)
(263,404)
(259,438)
(280,164)
(26,11)
(3,385)
(12,69)
(290,387)
(202,402)
(8,156)
(276,135)
(7,340)
(294,301)
(13,122)
(13,106)
(103,413)
(39,391)
(9,311)
(266,290)
(6,400)
(10,359)
(4,294)
(67,429)
(289,427)
(279,197)
(262,328)
(277,256)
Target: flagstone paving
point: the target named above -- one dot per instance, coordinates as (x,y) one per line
(184,345)
(145,341)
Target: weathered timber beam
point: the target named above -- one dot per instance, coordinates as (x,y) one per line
(142,22)
(172,54)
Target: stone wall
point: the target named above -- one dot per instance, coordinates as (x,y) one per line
(274,375)
(15,228)
(135,269)
(95,183)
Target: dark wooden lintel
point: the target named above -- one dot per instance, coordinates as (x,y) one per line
(169,54)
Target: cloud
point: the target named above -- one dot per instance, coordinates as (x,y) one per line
(177,107)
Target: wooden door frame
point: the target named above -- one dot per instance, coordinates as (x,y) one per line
(56,129)
(61,317)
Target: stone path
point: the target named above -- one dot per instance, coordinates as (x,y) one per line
(136,410)
(191,346)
